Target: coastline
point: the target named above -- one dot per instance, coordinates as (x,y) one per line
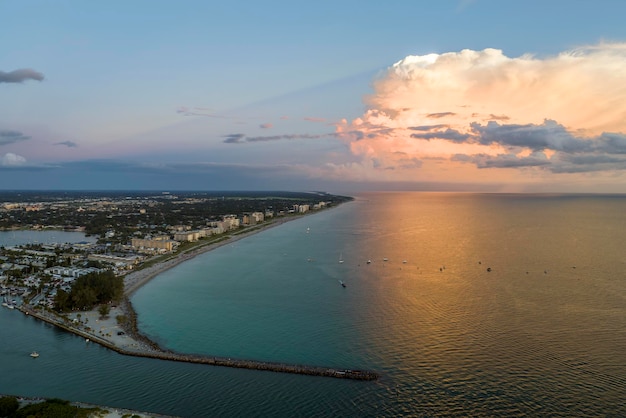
(125,338)
(134,280)
(100,410)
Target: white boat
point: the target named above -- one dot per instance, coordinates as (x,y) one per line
(385,259)
(340,258)
(342,283)
(369,261)
(34,354)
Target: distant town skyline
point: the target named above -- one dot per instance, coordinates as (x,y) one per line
(338,96)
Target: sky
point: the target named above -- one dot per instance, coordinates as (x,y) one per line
(338,96)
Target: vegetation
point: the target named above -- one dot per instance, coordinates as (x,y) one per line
(8,406)
(56,408)
(104,310)
(90,290)
(121,319)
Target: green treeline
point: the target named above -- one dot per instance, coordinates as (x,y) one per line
(90,290)
(9,407)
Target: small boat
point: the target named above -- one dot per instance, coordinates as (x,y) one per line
(34,354)
(369,261)
(403,261)
(340,258)
(342,283)
(385,259)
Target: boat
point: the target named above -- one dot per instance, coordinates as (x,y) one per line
(342,283)
(34,354)
(369,261)
(385,259)
(340,258)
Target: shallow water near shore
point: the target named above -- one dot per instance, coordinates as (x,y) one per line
(542,333)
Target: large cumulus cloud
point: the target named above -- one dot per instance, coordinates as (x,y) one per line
(558,114)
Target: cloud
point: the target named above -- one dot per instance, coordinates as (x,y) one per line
(266,126)
(504,160)
(11,137)
(234,138)
(548,135)
(556,114)
(315,120)
(440,115)
(12,160)
(21,75)
(498,117)
(427,127)
(68,144)
(241,138)
(199,111)
(449,134)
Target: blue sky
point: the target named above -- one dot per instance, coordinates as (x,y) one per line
(305,95)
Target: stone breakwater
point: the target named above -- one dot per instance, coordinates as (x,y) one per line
(262,365)
(152,351)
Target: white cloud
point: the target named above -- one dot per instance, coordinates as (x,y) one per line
(12,160)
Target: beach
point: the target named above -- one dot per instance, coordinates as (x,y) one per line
(136,279)
(123,336)
(118,329)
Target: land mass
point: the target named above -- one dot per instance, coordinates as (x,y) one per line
(117,330)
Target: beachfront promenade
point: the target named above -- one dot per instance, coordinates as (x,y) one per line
(131,342)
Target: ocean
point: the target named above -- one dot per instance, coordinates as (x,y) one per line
(471,305)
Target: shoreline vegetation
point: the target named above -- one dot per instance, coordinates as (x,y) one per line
(37,407)
(119,332)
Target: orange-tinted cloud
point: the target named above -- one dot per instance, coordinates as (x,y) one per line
(462,113)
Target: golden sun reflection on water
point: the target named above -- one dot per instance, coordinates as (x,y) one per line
(535,313)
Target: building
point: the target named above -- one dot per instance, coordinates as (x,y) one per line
(153,244)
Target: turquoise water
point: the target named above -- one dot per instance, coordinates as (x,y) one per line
(542,333)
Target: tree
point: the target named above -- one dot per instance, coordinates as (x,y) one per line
(8,406)
(62,301)
(104,310)
(89,290)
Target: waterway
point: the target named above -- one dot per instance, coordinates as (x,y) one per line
(541,333)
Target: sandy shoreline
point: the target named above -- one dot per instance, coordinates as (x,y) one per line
(124,336)
(136,279)
(118,330)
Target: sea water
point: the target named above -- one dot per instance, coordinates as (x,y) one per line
(471,305)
